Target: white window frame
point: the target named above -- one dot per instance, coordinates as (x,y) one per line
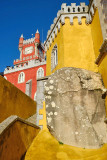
(54,57)
(35,96)
(40,73)
(21,77)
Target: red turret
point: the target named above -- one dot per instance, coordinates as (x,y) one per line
(37,37)
(21,41)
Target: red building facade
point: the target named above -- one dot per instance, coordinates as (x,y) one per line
(30,67)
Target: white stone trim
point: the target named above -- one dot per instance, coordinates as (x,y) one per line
(27,41)
(102,50)
(5,77)
(21,77)
(92,9)
(31,64)
(35,96)
(54,57)
(40,73)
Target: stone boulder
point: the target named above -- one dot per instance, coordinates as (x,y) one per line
(75,108)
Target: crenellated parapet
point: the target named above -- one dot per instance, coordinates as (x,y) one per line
(29,41)
(30,64)
(74,8)
(92,8)
(71,12)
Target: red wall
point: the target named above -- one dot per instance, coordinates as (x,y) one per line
(30,74)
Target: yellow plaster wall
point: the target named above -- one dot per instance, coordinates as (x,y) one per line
(75,47)
(78,45)
(46,147)
(14,102)
(43,121)
(96,33)
(59,41)
(97,41)
(16,139)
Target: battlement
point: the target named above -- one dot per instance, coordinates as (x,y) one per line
(74,8)
(29,64)
(18,61)
(35,39)
(71,12)
(29,41)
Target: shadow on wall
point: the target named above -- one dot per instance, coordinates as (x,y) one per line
(14,102)
(16,136)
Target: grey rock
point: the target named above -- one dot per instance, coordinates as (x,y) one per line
(75,108)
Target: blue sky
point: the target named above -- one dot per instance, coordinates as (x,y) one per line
(25,16)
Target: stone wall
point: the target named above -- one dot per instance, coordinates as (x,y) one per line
(39,99)
(75,108)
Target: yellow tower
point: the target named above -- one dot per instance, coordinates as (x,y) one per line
(75,37)
(78,38)
(70,40)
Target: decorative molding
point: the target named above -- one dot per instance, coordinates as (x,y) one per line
(21,77)
(40,73)
(30,64)
(70,12)
(102,50)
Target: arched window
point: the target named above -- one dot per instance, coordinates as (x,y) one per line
(54,57)
(21,77)
(40,73)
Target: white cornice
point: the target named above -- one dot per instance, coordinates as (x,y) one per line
(31,64)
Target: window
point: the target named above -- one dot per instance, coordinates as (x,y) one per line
(40,73)
(54,57)
(21,77)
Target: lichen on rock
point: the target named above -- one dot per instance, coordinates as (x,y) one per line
(77,106)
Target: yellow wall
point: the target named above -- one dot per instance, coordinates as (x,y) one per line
(14,102)
(78,45)
(46,147)
(75,47)
(16,139)
(96,33)
(97,41)
(59,41)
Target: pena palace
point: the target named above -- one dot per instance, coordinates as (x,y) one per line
(30,67)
